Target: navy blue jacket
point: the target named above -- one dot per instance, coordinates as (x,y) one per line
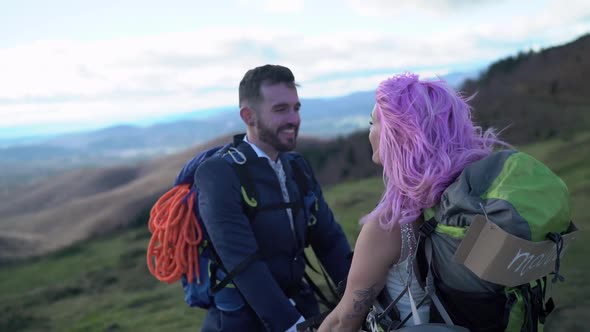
(263,286)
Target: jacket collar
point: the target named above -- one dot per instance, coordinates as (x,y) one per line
(252,151)
(244,147)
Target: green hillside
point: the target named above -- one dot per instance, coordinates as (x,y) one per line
(104,285)
(571,161)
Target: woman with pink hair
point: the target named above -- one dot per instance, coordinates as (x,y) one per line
(423,136)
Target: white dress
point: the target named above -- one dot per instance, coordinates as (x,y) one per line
(397,278)
(396,283)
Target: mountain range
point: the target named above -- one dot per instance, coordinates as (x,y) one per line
(83,203)
(25,162)
(535,96)
(542,95)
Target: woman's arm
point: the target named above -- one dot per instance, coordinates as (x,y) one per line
(374,253)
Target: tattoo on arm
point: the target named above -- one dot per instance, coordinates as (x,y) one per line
(362,301)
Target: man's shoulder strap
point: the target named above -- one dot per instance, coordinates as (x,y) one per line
(238,160)
(238,153)
(301,172)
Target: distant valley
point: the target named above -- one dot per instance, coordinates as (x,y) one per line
(26,161)
(109,182)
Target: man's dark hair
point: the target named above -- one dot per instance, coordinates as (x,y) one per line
(267,74)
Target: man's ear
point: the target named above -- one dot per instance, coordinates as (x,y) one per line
(248,115)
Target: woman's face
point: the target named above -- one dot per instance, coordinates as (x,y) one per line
(374,132)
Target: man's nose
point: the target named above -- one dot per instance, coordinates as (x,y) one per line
(294,117)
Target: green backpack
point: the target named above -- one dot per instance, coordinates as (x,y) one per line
(524,198)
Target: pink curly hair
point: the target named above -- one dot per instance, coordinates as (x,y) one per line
(427,138)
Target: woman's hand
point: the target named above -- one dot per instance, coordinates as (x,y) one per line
(374,253)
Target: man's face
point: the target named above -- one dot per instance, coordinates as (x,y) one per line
(277,116)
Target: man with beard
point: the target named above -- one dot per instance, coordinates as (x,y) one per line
(260,235)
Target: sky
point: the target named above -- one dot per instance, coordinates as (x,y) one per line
(70,65)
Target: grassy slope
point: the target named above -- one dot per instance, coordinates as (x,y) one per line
(571,161)
(103,285)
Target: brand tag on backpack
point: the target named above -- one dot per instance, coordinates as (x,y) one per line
(502,258)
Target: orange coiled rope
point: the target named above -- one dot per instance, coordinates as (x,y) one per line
(176,235)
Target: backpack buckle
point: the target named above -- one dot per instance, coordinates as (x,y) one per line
(237,156)
(428,227)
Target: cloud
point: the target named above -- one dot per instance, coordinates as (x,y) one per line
(554,24)
(274,6)
(340,86)
(284,6)
(125,79)
(502,14)
(380,8)
(186,63)
(507,25)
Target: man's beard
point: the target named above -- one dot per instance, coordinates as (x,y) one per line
(270,137)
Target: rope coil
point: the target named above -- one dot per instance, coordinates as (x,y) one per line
(176,235)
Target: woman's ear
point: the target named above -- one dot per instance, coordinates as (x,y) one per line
(248,116)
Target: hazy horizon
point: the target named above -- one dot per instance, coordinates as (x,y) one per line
(72,65)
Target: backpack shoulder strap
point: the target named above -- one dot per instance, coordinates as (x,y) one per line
(305,182)
(248,190)
(302,178)
(238,161)
(421,266)
(430,287)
